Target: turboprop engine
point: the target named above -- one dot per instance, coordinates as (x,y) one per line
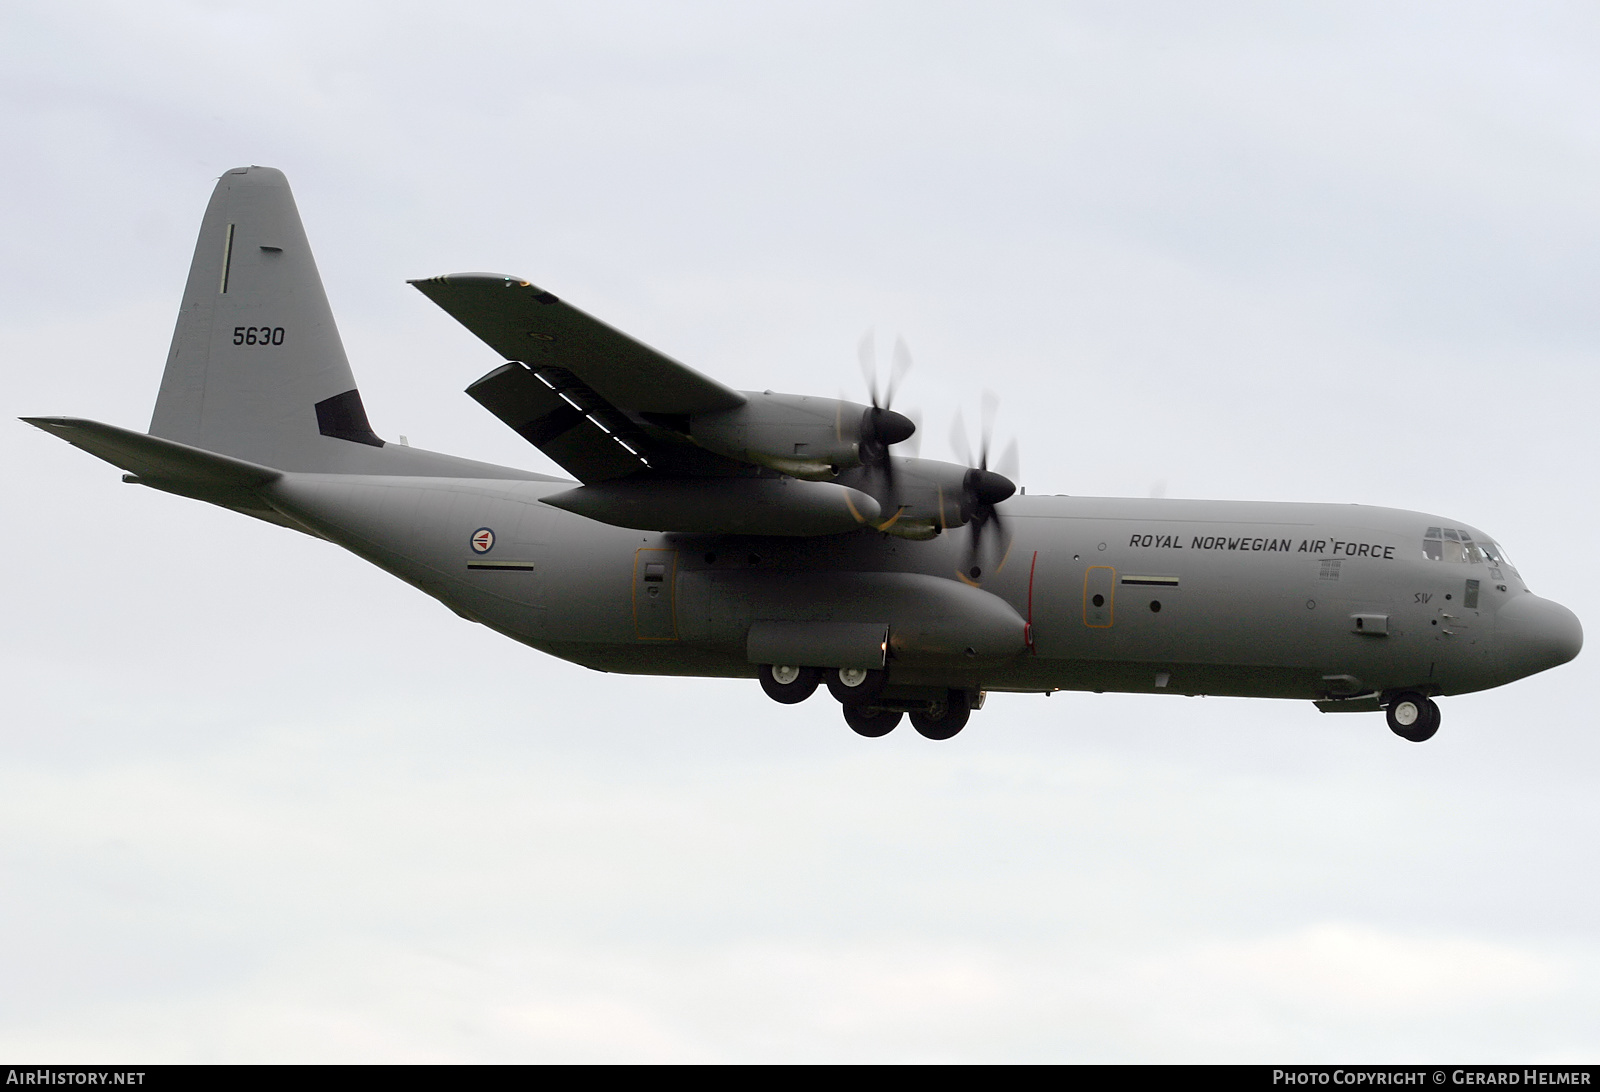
(921,497)
(810,438)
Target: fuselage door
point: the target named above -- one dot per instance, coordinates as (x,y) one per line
(1099,588)
(654,580)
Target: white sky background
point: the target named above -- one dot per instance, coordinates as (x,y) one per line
(259,801)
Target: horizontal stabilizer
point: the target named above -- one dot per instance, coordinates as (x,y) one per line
(523,322)
(166,464)
(733,506)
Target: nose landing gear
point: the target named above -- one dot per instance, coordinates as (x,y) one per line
(1412,716)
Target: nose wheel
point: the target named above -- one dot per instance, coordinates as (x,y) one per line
(1412,716)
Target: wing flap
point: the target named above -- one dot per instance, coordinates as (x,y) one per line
(523,322)
(568,433)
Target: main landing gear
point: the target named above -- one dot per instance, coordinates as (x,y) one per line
(855,685)
(872,723)
(866,710)
(943,719)
(1412,716)
(789,685)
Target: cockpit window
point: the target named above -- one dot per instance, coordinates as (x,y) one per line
(1452,545)
(1457,546)
(1494,554)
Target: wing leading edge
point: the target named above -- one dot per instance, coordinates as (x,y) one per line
(600,404)
(523,322)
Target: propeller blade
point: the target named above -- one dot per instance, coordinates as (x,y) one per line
(897,372)
(1009,464)
(982,490)
(973,569)
(958,439)
(990,407)
(881,427)
(867,351)
(980,562)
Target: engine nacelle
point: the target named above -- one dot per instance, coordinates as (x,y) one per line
(922,497)
(723,506)
(804,437)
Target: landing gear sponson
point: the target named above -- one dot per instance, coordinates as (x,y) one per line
(860,692)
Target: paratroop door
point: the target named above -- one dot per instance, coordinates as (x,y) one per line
(654,609)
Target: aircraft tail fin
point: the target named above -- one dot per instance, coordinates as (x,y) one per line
(257,370)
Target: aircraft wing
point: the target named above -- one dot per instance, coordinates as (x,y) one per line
(523,322)
(597,402)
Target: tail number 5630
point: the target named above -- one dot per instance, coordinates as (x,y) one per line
(258,335)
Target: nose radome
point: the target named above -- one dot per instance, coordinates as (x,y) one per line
(1537,634)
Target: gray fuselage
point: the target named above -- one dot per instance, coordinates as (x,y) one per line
(1307,601)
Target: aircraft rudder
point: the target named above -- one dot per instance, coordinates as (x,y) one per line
(257,368)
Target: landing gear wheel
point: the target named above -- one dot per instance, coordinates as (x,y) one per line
(788,684)
(856,685)
(870,722)
(1434,717)
(1412,716)
(943,719)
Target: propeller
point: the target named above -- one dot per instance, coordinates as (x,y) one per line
(983,489)
(881,426)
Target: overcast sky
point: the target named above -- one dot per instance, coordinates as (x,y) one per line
(259,801)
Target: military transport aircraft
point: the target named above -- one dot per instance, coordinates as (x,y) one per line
(752,534)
